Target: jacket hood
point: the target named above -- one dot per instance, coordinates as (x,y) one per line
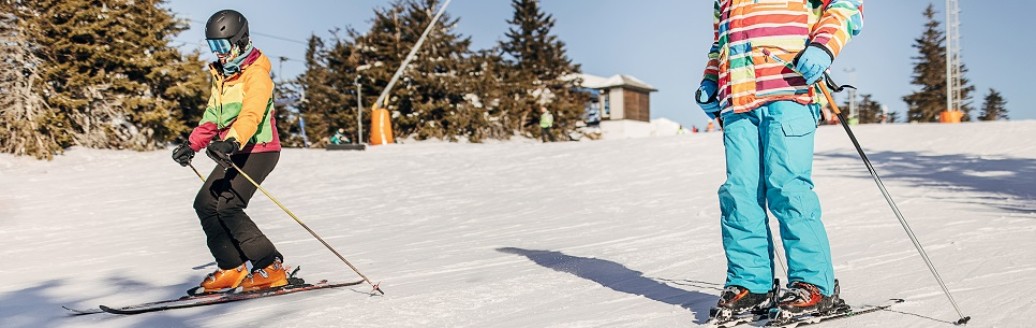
(262,62)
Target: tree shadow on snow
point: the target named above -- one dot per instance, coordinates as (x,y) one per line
(40,306)
(1011,182)
(620,278)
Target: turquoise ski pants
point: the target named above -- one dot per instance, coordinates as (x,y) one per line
(769,153)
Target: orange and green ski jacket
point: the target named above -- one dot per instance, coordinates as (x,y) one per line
(241,107)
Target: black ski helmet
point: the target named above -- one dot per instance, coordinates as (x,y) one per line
(228,24)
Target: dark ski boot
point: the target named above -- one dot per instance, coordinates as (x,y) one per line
(739,305)
(805,299)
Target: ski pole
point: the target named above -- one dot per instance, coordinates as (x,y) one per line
(780,260)
(830,84)
(377,287)
(196,172)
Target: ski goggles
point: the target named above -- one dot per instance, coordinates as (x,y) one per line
(219,46)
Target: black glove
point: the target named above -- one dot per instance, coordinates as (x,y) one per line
(183,154)
(220,152)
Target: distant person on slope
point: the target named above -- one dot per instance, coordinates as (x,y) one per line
(546,122)
(339,137)
(238,127)
(769,114)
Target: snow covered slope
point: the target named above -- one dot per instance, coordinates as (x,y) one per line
(619,233)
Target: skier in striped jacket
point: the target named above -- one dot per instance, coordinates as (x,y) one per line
(769,113)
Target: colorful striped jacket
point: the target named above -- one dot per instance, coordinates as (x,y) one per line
(240,106)
(746,77)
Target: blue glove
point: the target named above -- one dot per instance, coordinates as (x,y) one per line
(706,98)
(812,63)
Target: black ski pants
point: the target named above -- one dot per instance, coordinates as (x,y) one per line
(231,235)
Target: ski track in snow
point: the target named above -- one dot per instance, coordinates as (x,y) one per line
(620,233)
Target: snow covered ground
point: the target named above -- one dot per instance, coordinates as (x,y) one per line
(620,233)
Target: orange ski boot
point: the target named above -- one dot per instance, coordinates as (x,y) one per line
(221,280)
(272,276)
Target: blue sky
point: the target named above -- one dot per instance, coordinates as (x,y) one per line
(664,42)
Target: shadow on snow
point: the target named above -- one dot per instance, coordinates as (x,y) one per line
(620,278)
(1010,182)
(39,306)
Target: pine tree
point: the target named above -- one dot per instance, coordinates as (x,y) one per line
(926,104)
(428,101)
(868,110)
(893,117)
(287,111)
(330,101)
(27,125)
(995,107)
(117,81)
(486,101)
(542,70)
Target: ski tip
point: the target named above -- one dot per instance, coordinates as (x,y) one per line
(81,312)
(963,321)
(897,300)
(106,309)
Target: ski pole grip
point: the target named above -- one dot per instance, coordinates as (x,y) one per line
(830,99)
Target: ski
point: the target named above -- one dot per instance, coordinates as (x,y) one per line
(210,299)
(81,311)
(225,298)
(181,299)
(723,318)
(736,320)
(809,319)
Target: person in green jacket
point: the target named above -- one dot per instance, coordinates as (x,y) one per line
(339,137)
(546,122)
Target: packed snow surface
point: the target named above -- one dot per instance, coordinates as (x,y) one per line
(620,233)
